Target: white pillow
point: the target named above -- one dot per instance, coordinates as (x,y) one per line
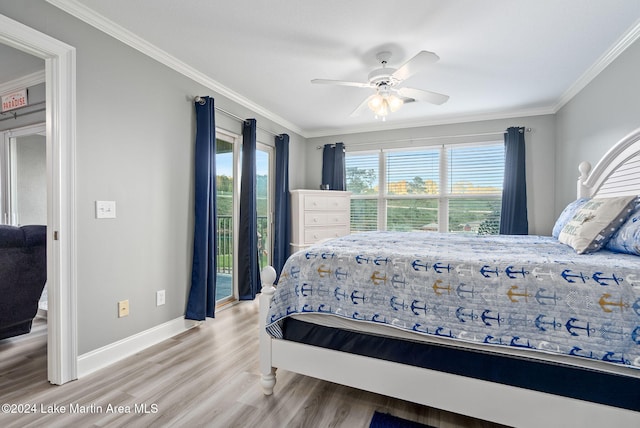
(595,222)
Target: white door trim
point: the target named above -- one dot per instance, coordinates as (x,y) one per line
(60,76)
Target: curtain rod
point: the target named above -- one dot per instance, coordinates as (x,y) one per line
(435,137)
(200,100)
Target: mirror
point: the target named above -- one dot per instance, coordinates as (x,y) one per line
(25,176)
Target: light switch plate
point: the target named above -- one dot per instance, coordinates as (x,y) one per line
(105,209)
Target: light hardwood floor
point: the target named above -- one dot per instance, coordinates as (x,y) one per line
(205,377)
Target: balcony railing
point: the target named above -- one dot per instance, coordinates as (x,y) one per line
(224,239)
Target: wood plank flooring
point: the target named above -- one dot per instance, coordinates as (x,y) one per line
(205,377)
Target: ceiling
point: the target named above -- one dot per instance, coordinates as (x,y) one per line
(498,58)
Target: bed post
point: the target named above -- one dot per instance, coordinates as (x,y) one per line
(584,191)
(268,379)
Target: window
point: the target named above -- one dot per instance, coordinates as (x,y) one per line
(475,177)
(362,174)
(452,188)
(412,184)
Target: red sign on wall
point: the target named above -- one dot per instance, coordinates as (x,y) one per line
(14,100)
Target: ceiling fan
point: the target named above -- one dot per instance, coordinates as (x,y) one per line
(386,81)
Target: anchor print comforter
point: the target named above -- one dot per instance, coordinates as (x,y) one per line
(515,291)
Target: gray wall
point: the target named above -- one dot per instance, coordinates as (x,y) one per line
(601,114)
(135,133)
(540,144)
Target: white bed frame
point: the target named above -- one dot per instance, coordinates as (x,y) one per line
(617,173)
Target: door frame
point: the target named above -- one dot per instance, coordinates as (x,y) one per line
(60,78)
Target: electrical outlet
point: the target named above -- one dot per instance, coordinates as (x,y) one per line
(160,298)
(123,308)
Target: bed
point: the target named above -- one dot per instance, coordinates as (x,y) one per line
(522,331)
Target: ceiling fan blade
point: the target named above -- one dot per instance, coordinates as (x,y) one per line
(422,95)
(415,64)
(341,83)
(362,107)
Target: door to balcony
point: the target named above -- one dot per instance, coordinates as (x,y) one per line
(264,184)
(228,210)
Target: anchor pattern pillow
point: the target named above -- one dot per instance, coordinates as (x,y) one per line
(627,238)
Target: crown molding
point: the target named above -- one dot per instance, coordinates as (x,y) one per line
(23,82)
(626,40)
(388,126)
(125,36)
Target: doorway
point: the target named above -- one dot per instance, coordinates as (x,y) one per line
(228,161)
(23,184)
(60,160)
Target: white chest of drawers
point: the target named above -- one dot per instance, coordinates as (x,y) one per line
(318,215)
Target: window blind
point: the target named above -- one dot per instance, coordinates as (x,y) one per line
(362,177)
(475,170)
(414,173)
(475,188)
(448,189)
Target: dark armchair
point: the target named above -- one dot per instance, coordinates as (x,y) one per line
(23,274)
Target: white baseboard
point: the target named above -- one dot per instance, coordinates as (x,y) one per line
(107,355)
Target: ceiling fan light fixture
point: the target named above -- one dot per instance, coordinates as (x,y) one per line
(394,103)
(375,102)
(383,109)
(383,103)
(387,82)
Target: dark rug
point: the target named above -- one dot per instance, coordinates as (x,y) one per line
(385,420)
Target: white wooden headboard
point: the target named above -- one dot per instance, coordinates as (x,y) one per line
(616,174)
